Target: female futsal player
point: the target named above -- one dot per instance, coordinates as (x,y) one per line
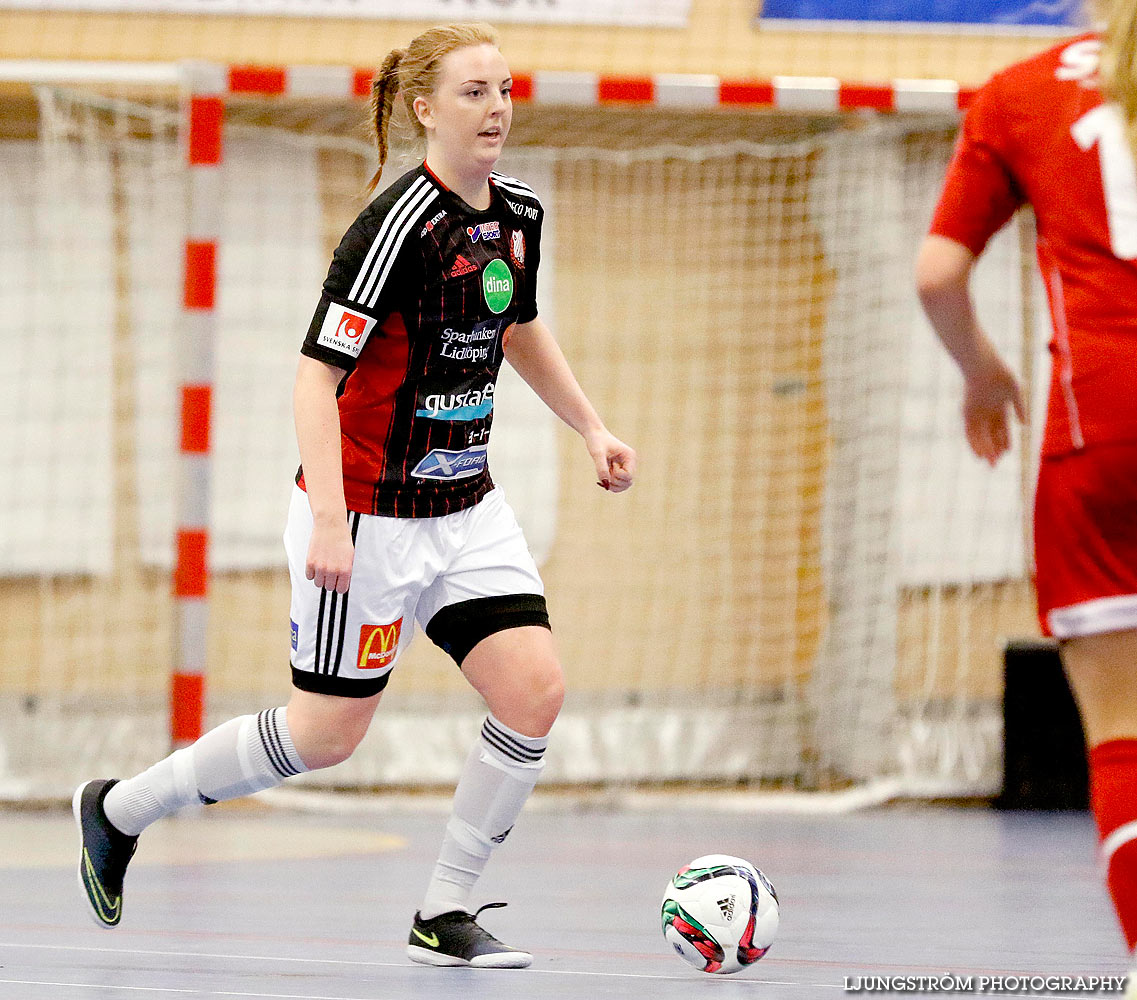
(1041,133)
(395,518)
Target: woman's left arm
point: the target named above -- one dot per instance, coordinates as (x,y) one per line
(535,355)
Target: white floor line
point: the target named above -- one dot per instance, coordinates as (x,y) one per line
(155,953)
(185,992)
(319,996)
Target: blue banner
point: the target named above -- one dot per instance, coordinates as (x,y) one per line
(1009,13)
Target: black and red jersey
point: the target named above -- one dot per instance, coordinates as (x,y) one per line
(416,305)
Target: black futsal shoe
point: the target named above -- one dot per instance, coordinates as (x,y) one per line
(104,853)
(455,938)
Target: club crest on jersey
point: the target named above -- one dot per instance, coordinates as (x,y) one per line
(433,222)
(517,247)
(461,267)
(444,464)
(378,645)
(345,331)
(484,231)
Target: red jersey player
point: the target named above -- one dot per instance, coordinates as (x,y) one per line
(1040,133)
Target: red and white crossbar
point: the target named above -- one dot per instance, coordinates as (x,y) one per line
(664,90)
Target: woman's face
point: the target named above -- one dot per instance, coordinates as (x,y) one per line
(468,116)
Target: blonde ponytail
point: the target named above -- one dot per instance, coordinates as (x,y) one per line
(383,90)
(1119,63)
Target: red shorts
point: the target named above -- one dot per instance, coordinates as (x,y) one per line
(1085,541)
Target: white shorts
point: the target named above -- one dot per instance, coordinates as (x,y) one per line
(462,577)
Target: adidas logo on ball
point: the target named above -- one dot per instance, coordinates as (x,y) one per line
(727,907)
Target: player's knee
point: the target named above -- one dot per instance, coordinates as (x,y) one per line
(545,692)
(326,742)
(329,748)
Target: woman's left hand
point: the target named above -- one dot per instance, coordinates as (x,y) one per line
(615,461)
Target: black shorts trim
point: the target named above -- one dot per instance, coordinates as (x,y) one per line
(342,687)
(458,628)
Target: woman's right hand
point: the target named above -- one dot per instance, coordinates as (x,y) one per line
(990,392)
(330,556)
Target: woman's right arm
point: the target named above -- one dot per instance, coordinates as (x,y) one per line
(316,410)
(943,276)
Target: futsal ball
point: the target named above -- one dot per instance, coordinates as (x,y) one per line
(720,913)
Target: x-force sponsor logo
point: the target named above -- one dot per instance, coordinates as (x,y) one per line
(471,346)
(295,634)
(345,331)
(444,464)
(484,231)
(526,211)
(517,247)
(378,645)
(497,284)
(433,222)
(468,404)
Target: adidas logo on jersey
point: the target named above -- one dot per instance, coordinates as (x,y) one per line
(727,907)
(461,267)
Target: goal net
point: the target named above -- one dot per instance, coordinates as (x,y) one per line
(808,588)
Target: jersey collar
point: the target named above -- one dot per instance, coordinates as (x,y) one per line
(460,202)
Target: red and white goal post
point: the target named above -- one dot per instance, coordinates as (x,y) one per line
(808,588)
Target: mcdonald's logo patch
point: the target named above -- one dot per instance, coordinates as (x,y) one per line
(378,645)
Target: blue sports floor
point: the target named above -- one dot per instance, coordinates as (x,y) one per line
(250,902)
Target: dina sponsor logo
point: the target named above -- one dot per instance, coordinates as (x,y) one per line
(444,464)
(497,284)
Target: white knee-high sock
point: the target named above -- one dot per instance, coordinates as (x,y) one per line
(239,757)
(500,772)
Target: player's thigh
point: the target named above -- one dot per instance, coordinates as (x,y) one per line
(518,673)
(346,645)
(1086,541)
(1086,560)
(487,610)
(1102,669)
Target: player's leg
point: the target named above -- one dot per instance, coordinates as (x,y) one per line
(327,715)
(518,674)
(1101,672)
(1086,555)
(242,756)
(488,611)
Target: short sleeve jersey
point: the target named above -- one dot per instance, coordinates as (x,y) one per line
(419,300)
(1039,133)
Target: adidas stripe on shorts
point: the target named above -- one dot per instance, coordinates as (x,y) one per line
(462,577)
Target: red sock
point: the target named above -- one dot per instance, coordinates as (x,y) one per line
(1113,798)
